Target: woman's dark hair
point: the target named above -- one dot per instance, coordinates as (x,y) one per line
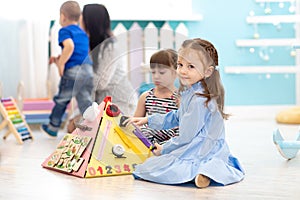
(96,21)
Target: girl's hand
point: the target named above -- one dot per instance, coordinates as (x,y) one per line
(139,121)
(157,150)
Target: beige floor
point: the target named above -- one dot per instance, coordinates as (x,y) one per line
(249,135)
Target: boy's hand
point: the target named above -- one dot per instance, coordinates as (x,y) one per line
(52,60)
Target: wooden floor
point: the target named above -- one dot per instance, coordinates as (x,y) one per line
(268,174)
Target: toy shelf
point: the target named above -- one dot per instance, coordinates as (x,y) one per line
(268,42)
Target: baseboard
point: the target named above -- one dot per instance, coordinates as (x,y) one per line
(256,112)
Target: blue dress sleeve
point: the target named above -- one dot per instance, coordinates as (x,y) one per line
(192,121)
(163,121)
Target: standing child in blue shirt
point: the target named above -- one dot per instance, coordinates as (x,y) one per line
(73,65)
(200,152)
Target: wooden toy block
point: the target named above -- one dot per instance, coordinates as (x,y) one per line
(14,121)
(37,111)
(37,104)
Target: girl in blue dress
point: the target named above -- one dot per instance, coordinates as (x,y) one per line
(200,152)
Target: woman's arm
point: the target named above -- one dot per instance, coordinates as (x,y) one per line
(107,65)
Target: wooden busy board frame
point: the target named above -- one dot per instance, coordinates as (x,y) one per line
(103,147)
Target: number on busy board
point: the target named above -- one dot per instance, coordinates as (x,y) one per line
(110,170)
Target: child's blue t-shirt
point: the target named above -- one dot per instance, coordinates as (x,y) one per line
(81,45)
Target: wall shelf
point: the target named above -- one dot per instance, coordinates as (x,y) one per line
(273,19)
(273,1)
(261,69)
(119,17)
(268,42)
(154,10)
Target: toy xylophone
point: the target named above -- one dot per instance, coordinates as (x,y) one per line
(14,120)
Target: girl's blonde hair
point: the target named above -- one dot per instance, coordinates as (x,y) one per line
(164,58)
(213,87)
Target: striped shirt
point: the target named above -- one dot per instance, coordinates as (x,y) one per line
(160,105)
(155,105)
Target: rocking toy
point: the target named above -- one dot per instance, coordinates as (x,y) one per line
(288,149)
